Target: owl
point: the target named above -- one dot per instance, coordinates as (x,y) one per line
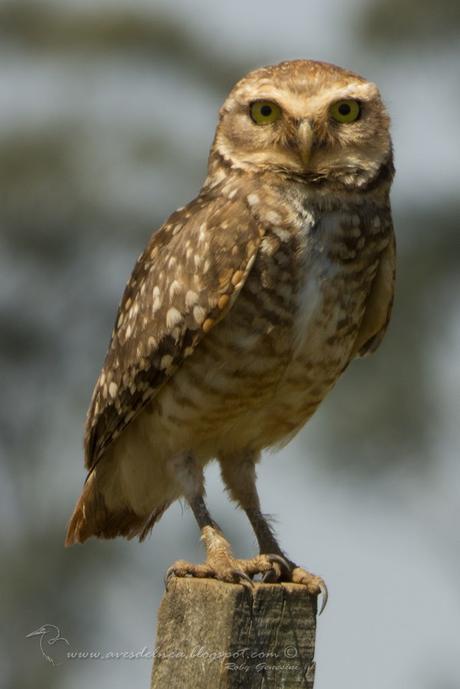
(243,311)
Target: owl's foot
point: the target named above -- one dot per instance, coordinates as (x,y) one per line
(297,575)
(222,565)
(315,584)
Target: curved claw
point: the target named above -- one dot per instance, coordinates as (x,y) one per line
(266,577)
(167,577)
(280,560)
(246,580)
(325,596)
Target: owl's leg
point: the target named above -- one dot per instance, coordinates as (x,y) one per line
(239,475)
(220,562)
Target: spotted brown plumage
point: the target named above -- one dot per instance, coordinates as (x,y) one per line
(182,285)
(244,310)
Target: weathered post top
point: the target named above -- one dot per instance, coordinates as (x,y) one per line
(214,635)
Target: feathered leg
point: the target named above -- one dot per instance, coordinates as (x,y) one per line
(220,562)
(239,475)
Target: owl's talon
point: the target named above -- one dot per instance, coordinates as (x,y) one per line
(170,573)
(314,584)
(324,597)
(273,576)
(281,561)
(167,577)
(279,567)
(245,579)
(221,565)
(185,569)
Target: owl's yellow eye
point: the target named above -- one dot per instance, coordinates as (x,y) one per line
(265,111)
(345,111)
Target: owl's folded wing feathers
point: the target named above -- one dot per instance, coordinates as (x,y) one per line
(184,283)
(379,303)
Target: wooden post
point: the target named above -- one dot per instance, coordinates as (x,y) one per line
(213,635)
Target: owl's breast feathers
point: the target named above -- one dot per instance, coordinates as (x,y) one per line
(197,264)
(354,258)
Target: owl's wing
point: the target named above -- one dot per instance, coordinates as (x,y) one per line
(184,283)
(379,303)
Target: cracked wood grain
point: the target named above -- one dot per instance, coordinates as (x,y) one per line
(214,635)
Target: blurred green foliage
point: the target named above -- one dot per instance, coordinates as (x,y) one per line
(151,35)
(409,22)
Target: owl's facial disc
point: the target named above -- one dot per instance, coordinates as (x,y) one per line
(304,118)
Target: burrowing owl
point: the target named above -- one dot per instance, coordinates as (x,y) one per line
(244,309)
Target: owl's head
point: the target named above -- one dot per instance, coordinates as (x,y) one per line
(307,119)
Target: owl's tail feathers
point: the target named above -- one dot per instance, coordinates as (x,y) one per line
(92,518)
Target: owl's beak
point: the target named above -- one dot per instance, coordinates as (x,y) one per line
(305,141)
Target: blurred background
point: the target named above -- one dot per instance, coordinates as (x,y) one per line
(107,112)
